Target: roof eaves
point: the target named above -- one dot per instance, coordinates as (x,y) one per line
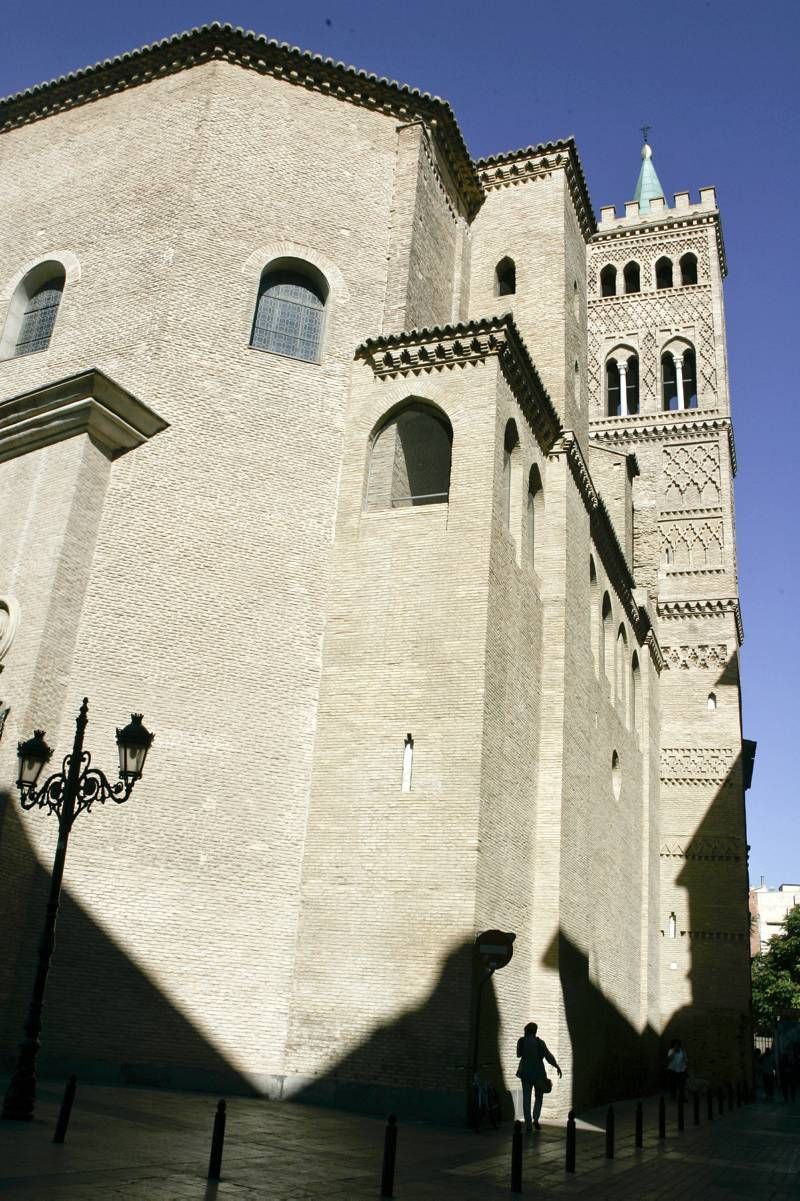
(503,169)
(222,41)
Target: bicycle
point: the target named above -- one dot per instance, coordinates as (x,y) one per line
(483,1101)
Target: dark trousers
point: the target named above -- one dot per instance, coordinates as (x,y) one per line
(527,1088)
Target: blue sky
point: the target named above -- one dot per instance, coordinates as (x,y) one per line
(717,81)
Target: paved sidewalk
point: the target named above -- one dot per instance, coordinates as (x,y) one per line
(139,1145)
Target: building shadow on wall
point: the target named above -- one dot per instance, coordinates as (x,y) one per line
(98,1002)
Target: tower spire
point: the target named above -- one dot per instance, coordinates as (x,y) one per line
(648,186)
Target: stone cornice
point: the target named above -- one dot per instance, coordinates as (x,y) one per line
(673,220)
(607,544)
(424,350)
(217,42)
(534,162)
(704,608)
(88,403)
(685,426)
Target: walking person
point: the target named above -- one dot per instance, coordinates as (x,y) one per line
(677,1067)
(533,1052)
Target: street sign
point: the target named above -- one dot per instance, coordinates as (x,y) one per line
(495,948)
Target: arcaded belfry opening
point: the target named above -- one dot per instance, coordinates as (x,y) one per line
(632,277)
(608,281)
(410,459)
(688,269)
(505,278)
(664,273)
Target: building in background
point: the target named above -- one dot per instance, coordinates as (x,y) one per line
(397,493)
(769,907)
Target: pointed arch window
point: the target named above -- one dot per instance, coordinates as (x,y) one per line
(636,693)
(632,277)
(410,459)
(688,265)
(608,281)
(594,613)
(607,639)
(534,514)
(290,311)
(679,378)
(622,384)
(664,273)
(505,277)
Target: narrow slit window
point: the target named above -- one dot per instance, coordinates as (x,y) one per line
(712,700)
(672,926)
(506,278)
(408,763)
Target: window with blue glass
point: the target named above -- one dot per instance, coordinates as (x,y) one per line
(289,315)
(39,317)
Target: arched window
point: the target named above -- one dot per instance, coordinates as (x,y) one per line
(32,311)
(534,514)
(711,703)
(621,663)
(636,693)
(594,613)
(608,281)
(688,269)
(678,377)
(672,926)
(505,278)
(664,273)
(631,274)
(512,484)
(607,639)
(290,310)
(410,459)
(622,383)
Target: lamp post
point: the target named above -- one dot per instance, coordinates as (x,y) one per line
(68,792)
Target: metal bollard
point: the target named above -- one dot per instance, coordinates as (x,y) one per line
(720,1101)
(389,1157)
(738,1094)
(696,1103)
(610,1133)
(217,1141)
(66,1110)
(569,1162)
(662,1117)
(681,1121)
(638,1138)
(516,1158)
(730,1095)
(710,1105)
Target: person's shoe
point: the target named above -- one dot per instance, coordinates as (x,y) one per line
(536,1126)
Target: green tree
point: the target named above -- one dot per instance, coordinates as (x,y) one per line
(775,975)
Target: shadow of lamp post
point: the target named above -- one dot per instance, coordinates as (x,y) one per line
(68,792)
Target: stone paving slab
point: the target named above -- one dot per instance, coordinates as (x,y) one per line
(147,1145)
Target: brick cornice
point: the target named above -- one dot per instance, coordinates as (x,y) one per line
(87,403)
(218,42)
(704,608)
(686,425)
(424,350)
(535,162)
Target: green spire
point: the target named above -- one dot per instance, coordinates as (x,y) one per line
(648,185)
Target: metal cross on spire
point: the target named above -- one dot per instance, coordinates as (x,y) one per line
(645,129)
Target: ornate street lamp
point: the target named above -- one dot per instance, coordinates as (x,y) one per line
(77,786)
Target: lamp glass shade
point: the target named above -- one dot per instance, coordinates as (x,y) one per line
(133,743)
(32,755)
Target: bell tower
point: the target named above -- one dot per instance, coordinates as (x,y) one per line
(659,389)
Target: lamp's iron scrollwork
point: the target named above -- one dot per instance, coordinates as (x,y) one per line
(66,793)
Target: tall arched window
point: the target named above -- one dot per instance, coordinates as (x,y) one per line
(512,484)
(621,669)
(505,278)
(664,273)
(290,310)
(607,639)
(410,459)
(594,613)
(608,281)
(688,269)
(33,310)
(534,514)
(636,693)
(678,377)
(622,383)
(631,274)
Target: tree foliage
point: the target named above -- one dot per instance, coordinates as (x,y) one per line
(776,975)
